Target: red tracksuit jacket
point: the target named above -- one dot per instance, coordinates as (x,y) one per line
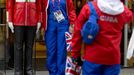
(24,12)
(70,11)
(106,47)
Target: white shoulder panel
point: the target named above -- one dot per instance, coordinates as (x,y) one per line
(25,0)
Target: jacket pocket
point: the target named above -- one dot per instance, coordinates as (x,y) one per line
(32,13)
(19,13)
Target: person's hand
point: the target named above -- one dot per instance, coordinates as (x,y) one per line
(38,27)
(10,25)
(77,61)
(71,28)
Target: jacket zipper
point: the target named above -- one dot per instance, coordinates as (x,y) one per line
(26,5)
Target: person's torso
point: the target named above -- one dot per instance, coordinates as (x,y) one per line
(25,12)
(106,47)
(55,5)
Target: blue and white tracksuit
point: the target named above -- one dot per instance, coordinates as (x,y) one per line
(55,38)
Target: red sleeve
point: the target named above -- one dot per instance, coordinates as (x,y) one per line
(71,11)
(77,39)
(128,15)
(44,5)
(38,5)
(10,7)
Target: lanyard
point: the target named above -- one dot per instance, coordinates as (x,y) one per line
(58,4)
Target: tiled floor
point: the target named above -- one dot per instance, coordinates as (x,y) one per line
(123,72)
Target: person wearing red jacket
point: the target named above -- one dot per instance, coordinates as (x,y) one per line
(24,20)
(102,56)
(58,17)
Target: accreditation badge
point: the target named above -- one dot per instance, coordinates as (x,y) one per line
(59,16)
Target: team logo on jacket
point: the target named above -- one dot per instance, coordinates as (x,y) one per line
(109,19)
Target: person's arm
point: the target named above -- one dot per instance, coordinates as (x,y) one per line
(9,14)
(71,15)
(71,12)
(44,6)
(38,6)
(77,39)
(10,8)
